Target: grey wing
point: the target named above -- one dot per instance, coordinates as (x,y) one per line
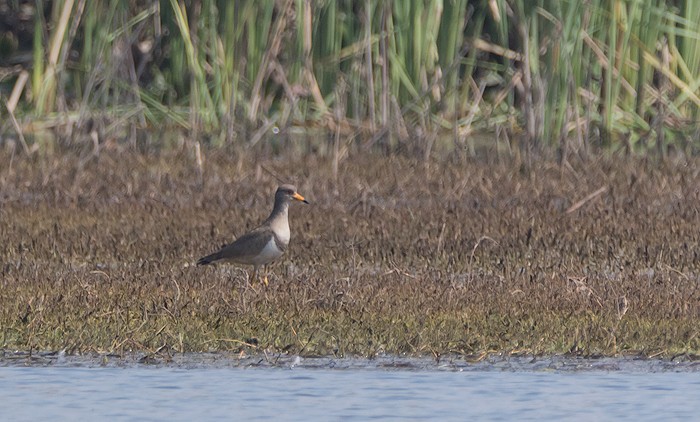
(242,250)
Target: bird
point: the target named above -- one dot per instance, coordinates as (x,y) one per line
(266,242)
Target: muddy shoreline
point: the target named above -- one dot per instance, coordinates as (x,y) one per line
(232,360)
(395,255)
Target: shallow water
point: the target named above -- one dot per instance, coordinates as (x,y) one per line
(210,387)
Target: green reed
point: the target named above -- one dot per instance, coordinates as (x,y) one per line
(565,74)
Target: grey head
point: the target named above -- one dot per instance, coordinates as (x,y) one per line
(285,193)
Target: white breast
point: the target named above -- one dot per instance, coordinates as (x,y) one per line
(281,228)
(269,253)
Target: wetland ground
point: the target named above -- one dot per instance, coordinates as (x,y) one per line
(394,256)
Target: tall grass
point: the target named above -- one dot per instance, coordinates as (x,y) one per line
(549,74)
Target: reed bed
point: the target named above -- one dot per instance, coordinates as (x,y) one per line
(398,256)
(566,76)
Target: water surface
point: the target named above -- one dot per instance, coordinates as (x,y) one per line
(348,389)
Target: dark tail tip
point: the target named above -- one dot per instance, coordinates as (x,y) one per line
(204,261)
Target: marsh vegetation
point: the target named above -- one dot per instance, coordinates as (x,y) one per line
(396,256)
(568,75)
(493,176)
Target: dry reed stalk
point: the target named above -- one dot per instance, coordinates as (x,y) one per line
(47,91)
(588,198)
(17,90)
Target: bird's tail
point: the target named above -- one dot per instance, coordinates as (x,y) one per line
(208,259)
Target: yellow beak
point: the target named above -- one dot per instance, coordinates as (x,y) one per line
(299,198)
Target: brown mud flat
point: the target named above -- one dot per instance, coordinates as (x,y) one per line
(394,257)
(229,359)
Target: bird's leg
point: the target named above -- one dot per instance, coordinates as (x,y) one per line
(265,279)
(255,273)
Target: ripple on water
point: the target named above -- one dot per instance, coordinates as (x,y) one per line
(213,386)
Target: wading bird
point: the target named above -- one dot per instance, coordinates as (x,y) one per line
(265,243)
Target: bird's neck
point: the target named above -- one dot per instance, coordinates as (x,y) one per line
(280,210)
(279,221)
